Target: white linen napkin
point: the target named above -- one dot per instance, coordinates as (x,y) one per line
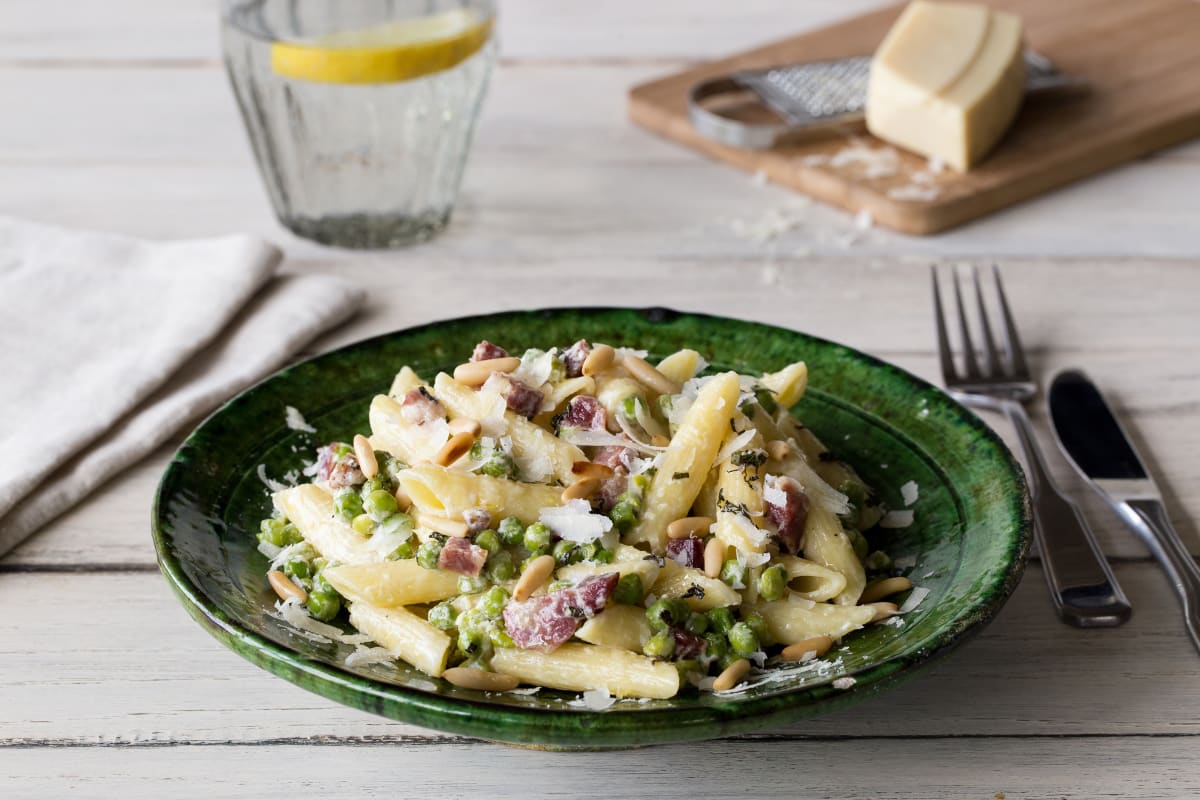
(109,345)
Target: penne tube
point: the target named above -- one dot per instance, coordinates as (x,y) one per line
(405,381)
(685,464)
(392,583)
(681,366)
(405,635)
(391,432)
(311,510)
(563,390)
(646,568)
(449,493)
(739,503)
(788,384)
(618,625)
(584,667)
(826,543)
(795,619)
(812,581)
(701,592)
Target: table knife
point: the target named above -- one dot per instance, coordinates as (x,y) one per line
(1099,449)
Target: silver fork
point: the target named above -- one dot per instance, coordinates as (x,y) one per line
(1084,590)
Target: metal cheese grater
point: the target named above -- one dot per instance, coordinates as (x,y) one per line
(817,95)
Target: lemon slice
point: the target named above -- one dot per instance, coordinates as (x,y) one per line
(397,51)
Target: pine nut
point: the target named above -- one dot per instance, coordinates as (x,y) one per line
(883,610)
(779,450)
(480,679)
(476,373)
(884,588)
(450,527)
(714,557)
(648,376)
(365,454)
(590,469)
(600,359)
(818,646)
(689,526)
(658,440)
(284,587)
(455,448)
(584,487)
(534,576)
(732,675)
(465,425)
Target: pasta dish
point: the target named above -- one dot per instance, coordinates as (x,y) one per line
(584,520)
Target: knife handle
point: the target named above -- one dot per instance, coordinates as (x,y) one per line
(1148,519)
(1084,590)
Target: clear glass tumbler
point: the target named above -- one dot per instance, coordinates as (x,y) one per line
(360,112)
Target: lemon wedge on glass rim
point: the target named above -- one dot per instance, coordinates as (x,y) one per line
(396,51)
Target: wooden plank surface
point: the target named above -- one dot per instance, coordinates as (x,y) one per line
(1137,60)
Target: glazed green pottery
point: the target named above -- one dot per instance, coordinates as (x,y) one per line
(966,545)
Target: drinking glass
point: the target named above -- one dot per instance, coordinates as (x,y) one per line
(360,112)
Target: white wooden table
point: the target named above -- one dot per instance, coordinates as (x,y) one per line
(117,116)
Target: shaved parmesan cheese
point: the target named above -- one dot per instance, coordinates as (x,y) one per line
(621,352)
(680,404)
(269,550)
(815,487)
(737,443)
(295,420)
(772,493)
(285,554)
(915,598)
(844,683)
(594,700)
(582,438)
(897,519)
(536,367)
(363,656)
(909,492)
(295,614)
(270,483)
(755,535)
(575,521)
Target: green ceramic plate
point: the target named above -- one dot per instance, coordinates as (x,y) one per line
(966,546)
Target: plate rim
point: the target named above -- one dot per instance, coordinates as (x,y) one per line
(587,730)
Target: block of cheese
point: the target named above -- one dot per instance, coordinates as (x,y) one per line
(947,81)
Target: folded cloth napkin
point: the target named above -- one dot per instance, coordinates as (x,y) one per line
(109,345)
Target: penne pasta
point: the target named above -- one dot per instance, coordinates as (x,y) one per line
(392,583)
(739,501)
(617,626)
(826,543)
(788,384)
(405,635)
(681,366)
(796,619)
(408,442)
(701,592)
(310,508)
(812,581)
(449,493)
(584,667)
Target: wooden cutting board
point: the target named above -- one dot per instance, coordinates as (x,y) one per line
(1141,59)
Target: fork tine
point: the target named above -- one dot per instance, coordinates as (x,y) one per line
(945,355)
(972,366)
(991,360)
(1012,342)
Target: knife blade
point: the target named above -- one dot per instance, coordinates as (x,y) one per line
(1097,446)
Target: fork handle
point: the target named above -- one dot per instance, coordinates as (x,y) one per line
(1084,590)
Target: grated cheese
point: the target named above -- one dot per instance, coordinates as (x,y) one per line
(897,519)
(582,438)
(575,522)
(918,595)
(738,442)
(269,482)
(910,492)
(844,683)
(364,656)
(593,700)
(295,420)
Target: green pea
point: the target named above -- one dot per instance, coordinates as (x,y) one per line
(687,668)
(442,616)
(348,504)
(428,552)
(742,639)
(469,585)
(493,601)
(584,552)
(554,586)
(341,450)
(500,567)
(320,585)
(475,642)
(603,555)
(629,407)
(324,605)
(766,399)
(511,531)
(396,522)
(665,612)
(878,561)
(390,465)
(500,465)
(271,531)
(758,624)
(660,645)
(859,543)
(696,623)
(564,551)
(474,620)
(291,535)
(537,537)
(624,512)
(500,638)
(720,620)
(718,645)
(376,484)
(733,572)
(297,568)
(380,503)
(772,583)
(403,552)
(629,589)
(364,524)
(488,540)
